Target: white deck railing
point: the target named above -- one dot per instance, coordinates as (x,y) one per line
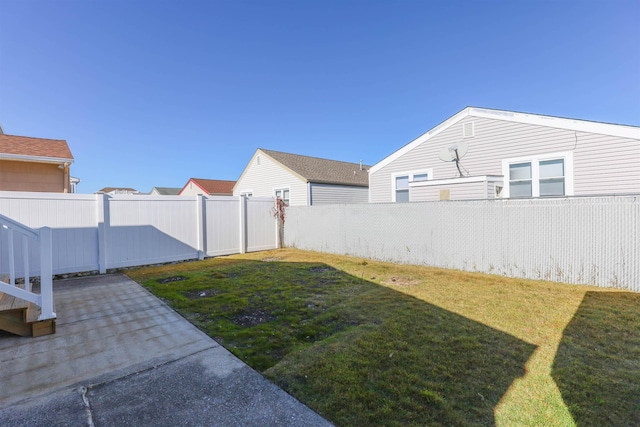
(44,300)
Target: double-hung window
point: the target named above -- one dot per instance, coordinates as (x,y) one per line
(402,188)
(283,194)
(400,183)
(539,176)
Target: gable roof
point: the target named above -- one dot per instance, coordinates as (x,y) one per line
(625,131)
(212,186)
(119,189)
(166,191)
(322,171)
(34,149)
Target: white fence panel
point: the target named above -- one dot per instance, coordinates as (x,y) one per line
(223,223)
(576,240)
(72,218)
(100,232)
(151,229)
(262,229)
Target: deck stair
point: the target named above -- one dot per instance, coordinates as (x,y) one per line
(20,317)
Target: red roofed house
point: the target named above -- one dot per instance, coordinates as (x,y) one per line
(34,164)
(208,187)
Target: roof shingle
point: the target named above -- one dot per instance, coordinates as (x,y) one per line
(323,171)
(214,186)
(34,147)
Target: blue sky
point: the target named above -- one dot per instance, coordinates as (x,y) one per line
(152,93)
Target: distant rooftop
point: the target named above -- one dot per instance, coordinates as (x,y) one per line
(322,171)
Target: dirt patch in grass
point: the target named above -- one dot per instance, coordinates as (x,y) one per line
(195,294)
(401,282)
(171,279)
(252,317)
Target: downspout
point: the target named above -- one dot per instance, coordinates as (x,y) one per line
(309,199)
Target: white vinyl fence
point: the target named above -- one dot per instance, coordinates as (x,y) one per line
(593,240)
(100,232)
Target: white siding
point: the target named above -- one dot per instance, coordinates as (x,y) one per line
(192,190)
(327,194)
(262,179)
(602,164)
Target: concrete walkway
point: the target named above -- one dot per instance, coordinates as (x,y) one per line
(121,357)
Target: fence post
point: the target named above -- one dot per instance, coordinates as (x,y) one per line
(103,225)
(201,206)
(46,275)
(243,224)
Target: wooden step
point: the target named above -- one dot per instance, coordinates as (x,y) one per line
(21,318)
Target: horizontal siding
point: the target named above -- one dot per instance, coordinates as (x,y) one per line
(602,164)
(264,178)
(325,194)
(463,191)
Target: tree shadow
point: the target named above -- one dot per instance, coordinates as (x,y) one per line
(597,366)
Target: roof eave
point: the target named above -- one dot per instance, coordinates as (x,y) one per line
(36,159)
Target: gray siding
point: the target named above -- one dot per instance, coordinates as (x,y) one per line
(602,164)
(457,191)
(262,179)
(326,194)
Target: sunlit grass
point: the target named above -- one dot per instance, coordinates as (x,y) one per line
(371,343)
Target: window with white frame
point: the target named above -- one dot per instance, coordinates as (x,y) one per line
(400,183)
(283,194)
(539,176)
(402,188)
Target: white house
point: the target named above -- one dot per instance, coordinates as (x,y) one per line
(303,180)
(482,153)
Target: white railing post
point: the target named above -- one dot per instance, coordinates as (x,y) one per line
(46,275)
(25,263)
(12,265)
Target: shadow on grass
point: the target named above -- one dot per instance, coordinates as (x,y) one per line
(356,352)
(597,366)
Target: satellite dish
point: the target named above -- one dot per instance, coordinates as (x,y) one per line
(454,153)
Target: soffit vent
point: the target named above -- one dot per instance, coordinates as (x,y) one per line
(468,130)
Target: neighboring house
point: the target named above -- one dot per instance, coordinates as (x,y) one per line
(164,191)
(510,154)
(112,191)
(34,164)
(74,184)
(207,187)
(302,180)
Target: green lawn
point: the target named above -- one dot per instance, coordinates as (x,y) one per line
(368,343)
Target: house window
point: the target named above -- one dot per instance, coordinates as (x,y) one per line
(283,194)
(520,179)
(541,176)
(552,177)
(402,189)
(400,183)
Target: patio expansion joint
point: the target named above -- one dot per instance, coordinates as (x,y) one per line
(88,388)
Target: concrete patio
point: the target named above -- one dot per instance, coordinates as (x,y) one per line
(121,356)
